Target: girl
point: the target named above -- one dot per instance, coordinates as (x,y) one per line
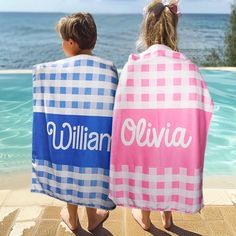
(160,124)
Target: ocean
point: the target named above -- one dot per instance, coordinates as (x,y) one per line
(30,38)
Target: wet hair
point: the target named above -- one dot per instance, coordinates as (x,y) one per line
(79,27)
(159,26)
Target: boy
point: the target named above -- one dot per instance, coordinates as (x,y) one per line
(88,153)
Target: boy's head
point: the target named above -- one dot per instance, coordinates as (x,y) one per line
(78,32)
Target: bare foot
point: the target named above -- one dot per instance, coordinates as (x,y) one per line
(100,217)
(144,223)
(71,223)
(166,217)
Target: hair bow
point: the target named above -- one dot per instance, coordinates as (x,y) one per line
(160,7)
(173,8)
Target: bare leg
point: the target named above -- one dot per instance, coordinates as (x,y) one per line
(96,217)
(166,217)
(142,217)
(70,217)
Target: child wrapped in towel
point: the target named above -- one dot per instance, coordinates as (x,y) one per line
(72,121)
(161,119)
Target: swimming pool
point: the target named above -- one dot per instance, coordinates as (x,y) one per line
(16,123)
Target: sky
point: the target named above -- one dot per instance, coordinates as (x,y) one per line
(109,6)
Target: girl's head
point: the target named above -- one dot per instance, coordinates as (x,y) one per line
(78,32)
(160,25)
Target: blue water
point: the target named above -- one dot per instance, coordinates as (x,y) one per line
(16,120)
(30,38)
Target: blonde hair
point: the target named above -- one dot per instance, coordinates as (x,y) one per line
(79,27)
(159,29)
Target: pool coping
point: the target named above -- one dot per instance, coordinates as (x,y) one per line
(28,71)
(10,71)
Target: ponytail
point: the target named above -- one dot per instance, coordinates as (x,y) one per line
(159,25)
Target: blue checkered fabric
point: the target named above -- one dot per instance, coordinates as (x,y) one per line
(76,185)
(89,81)
(73,103)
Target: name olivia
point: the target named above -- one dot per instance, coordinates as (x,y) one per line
(77,137)
(144,134)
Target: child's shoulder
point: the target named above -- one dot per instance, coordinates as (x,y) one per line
(101,60)
(80,60)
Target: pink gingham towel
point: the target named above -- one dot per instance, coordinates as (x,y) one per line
(161,119)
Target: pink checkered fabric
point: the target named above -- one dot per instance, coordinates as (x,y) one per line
(161,119)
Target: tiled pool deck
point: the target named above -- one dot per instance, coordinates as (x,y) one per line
(29,214)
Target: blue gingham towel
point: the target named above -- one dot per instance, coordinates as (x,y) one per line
(72,120)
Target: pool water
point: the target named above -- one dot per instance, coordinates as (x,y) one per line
(221,147)
(16,123)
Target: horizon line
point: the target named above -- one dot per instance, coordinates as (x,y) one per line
(118,13)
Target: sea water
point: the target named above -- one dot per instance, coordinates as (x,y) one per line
(30,38)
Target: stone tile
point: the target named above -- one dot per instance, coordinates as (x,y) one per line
(211,213)
(63,230)
(47,228)
(219,228)
(128,215)
(51,212)
(229,215)
(216,197)
(7,219)
(191,217)
(213,220)
(82,212)
(134,229)
(155,216)
(158,229)
(131,227)
(5,211)
(231,224)
(30,231)
(84,224)
(191,228)
(228,211)
(19,228)
(29,213)
(3,195)
(24,197)
(113,228)
(117,214)
(177,216)
(202,228)
(57,202)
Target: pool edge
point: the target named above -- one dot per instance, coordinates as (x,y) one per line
(28,71)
